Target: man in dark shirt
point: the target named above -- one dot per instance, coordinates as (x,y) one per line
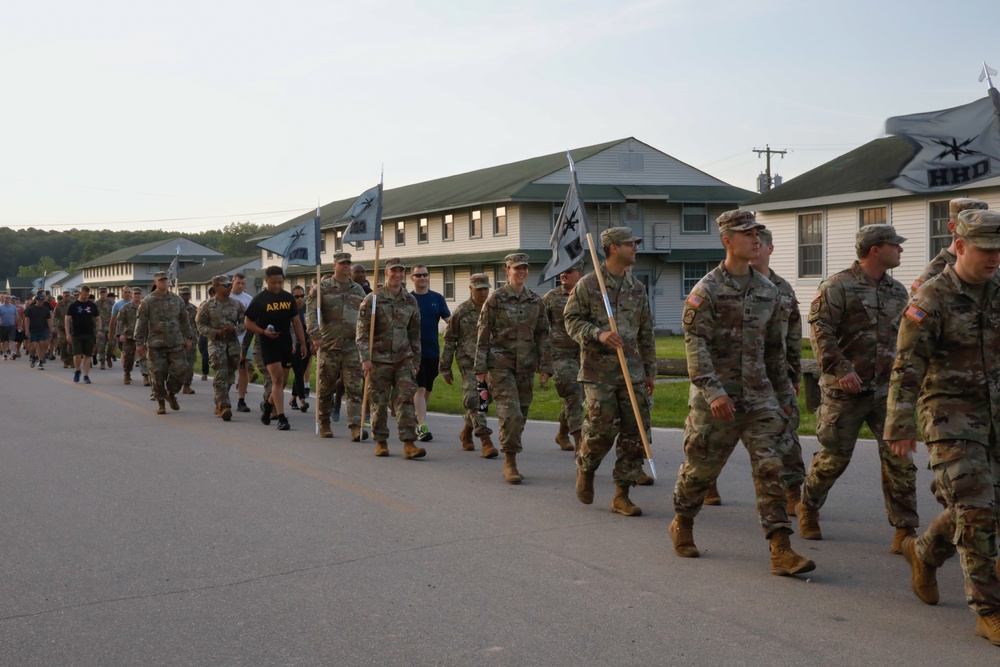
(38,322)
(433,308)
(272,316)
(82,324)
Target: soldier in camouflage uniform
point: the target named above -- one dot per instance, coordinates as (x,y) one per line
(791,328)
(104,341)
(336,348)
(565,360)
(854,319)
(60,332)
(946,381)
(190,356)
(163,327)
(246,353)
(739,383)
(512,344)
(220,320)
(947,256)
(609,406)
(390,362)
(125,331)
(460,342)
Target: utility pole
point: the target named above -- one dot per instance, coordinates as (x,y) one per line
(764,186)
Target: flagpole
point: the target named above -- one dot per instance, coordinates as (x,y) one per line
(371,336)
(319,312)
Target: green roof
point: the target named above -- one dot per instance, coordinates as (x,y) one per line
(539,257)
(865,169)
(714,194)
(20,282)
(132,253)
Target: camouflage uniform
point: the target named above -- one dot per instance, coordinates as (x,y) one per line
(460,342)
(162,326)
(565,360)
(61,341)
(609,407)
(854,322)
(945,258)
(512,345)
(223,345)
(791,330)
(735,348)
(946,377)
(190,356)
(125,325)
(104,343)
(335,345)
(394,354)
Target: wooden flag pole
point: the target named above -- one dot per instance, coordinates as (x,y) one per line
(319,326)
(621,354)
(371,335)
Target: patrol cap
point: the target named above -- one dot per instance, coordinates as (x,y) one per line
(956,206)
(341,257)
(616,235)
(222,280)
(159,275)
(738,221)
(395,262)
(184,290)
(479,281)
(980,228)
(576,267)
(103,290)
(516,259)
(765,236)
(136,290)
(870,235)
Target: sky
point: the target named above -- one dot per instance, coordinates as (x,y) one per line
(187,116)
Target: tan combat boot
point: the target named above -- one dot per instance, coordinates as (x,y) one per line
(145,380)
(792,498)
(102,365)
(585,486)
(622,505)
(411,451)
(186,389)
(682,534)
(784,561)
(924,580)
(577,439)
(713,497)
(226,413)
(465,437)
(128,378)
(644,479)
(218,411)
(897,539)
(324,429)
(988,627)
(172,401)
(160,408)
(510,472)
(809,522)
(358,434)
(562,438)
(489,451)
(381,449)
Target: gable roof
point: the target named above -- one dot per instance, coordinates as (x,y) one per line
(191,250)
(867,168)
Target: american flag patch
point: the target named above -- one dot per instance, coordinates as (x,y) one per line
(694,300)
(818,295)
(916,285)
(915,314)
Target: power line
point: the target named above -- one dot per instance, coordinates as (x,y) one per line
(154,220)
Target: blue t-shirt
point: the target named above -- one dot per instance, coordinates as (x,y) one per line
(8,315)
(119,304)
(432,308)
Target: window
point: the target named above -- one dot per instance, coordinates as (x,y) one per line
(692,273)
(322,243)
(475,224)
(449,282)
(872,216)
(500,221)
(270,255)
(810,245)
(499,275)
(401,233)
(197,295)
(694,219)
(359,245)
(448,229)
(633,211)
(940,237)
(422,231)
(338,241)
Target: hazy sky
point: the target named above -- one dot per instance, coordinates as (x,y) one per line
(191,115)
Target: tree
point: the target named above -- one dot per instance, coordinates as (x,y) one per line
(45,266)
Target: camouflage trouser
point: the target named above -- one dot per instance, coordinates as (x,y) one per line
(344,365)
(512,394)
(166,370)
(708,443)
(795,469)
(258,361)
(65,347)
(609,413)
(474,419)
(963,478)
(101,348)
(190,358)
(128,358)
(570,391)
(224,356)
(838,422)
(399,380)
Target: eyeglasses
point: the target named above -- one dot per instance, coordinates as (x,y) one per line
(299,296)
(631,244)
(419,275)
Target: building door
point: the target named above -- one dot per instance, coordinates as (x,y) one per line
(646,278)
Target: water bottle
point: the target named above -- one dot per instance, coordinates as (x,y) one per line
(484,396)
(270,329)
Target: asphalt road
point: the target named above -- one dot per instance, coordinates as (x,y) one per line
(135,539)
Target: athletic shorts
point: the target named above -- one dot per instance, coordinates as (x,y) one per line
(40,336)
(428,371)
(19,336)
(8,333)
(84,345)
(275,351)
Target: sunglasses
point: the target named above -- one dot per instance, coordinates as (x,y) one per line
(419,275)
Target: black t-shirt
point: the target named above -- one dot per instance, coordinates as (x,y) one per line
(37,316)
(274,309)
(83,314)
